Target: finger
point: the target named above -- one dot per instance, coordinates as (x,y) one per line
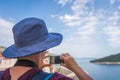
(46,56)
(62,57)
(65,54)
(63,64)
(44,65)
(47,64)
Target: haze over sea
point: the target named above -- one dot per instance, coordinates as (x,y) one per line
(99,71)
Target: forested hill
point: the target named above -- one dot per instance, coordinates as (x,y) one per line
(111,58)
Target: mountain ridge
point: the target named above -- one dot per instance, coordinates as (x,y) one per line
(111,59)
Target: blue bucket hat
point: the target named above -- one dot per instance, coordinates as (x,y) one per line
(31,36)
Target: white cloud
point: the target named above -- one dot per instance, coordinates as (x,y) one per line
(119,7)
(79,6)
(113,33)
(6,32)
(54,15)
(5,23)
(89,29)
(96,30)
(71,20)
(63,2)
(112,1)
(112,30)
(80,11)
(113,20)
(88,19)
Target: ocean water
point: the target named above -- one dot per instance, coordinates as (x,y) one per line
(100,71)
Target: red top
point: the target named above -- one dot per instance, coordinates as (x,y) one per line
(35,74)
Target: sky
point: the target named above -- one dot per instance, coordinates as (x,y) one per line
(90,28)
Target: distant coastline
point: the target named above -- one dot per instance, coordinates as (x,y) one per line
(111,59)
(106,62)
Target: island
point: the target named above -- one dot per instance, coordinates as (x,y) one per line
(111,59)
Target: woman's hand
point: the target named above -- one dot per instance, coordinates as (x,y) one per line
(42,63)
(71,64)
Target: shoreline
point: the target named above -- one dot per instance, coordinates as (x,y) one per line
(106,62)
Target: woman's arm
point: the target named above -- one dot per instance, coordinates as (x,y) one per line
(71,64)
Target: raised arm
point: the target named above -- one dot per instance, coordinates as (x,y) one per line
(71,64)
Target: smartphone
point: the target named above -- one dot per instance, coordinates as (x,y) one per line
(55,60)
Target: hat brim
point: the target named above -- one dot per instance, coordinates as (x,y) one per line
(53,40)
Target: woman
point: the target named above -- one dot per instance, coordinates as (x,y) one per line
(31,42)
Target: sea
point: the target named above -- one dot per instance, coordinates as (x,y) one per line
(100,71)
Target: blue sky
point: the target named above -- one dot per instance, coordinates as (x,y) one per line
(91,28)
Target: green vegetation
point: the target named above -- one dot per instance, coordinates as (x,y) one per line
(111,58)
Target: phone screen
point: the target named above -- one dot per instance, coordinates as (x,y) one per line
(55,60)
